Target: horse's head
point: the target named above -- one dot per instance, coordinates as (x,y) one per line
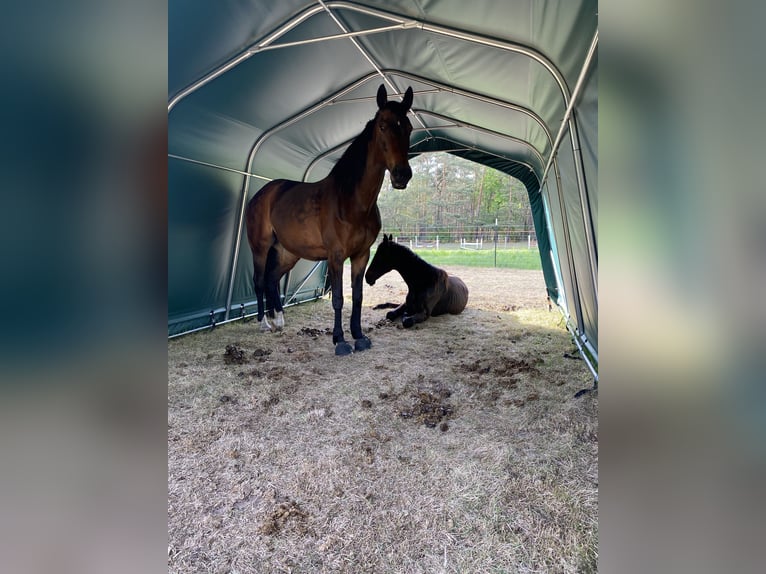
(392,134)
(381,263)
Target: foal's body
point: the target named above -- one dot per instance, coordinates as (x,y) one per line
(334,219)
(431,291)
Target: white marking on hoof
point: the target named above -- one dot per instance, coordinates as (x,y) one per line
(265,325)
(279,321)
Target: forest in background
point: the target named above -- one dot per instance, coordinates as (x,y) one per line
(448,194)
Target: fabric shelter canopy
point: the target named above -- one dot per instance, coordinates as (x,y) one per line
(262,90)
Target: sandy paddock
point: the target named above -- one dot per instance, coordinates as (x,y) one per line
(454,446)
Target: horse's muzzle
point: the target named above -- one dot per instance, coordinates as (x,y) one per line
(400,176)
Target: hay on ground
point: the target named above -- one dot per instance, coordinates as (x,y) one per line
(454,446)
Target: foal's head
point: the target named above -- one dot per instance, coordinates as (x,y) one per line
(383,262)
(391,133)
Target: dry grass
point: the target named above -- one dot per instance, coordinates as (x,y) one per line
(455,446)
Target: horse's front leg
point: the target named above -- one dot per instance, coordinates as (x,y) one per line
(335,269)
(397,312)
(358,265)
(416,310)
(410,320)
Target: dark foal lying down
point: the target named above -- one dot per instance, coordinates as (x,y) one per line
(431,291)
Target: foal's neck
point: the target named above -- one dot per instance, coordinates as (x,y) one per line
(411,267)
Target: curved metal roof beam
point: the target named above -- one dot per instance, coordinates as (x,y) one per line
(367,56)
(462,35)
(438,88)
(335,99)
(253,48)
(343,36)
(454,124)
(480,129)
(401,22)
(575,97)
(216,166)
(338,147)
(301,115)
(444,88)
(479,97)
(584,204)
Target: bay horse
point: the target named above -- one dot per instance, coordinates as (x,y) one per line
(333,219)
(431,291)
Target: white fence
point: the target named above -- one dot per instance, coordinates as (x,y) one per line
(489,237)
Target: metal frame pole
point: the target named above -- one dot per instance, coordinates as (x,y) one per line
(340,146)
(567,122)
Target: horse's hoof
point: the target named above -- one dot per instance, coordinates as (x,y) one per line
(408,322)
(390,315)
(265,325)
(362,344)
(343,348)
(279,321)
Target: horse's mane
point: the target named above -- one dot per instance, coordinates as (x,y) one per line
(349,168)
(409,260)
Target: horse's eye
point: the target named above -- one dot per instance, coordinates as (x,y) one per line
(382,127)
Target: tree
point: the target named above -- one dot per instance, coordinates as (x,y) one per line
(446,190)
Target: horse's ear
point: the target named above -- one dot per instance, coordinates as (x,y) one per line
(407,99)
(390,236)
(382,96)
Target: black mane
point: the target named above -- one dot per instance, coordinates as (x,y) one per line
(349,168)
(403,253)
(412,267)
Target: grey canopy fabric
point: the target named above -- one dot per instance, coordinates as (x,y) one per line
(262,90)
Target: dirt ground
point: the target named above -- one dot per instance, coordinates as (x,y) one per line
(454,446)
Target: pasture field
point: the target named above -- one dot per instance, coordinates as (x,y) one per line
(457,446)
(506,258)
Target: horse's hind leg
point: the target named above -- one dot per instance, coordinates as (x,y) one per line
(259,268)
(278,262)
(260,236)
(260,251)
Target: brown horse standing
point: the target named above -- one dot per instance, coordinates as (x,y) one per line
(431,291)
(333,219)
